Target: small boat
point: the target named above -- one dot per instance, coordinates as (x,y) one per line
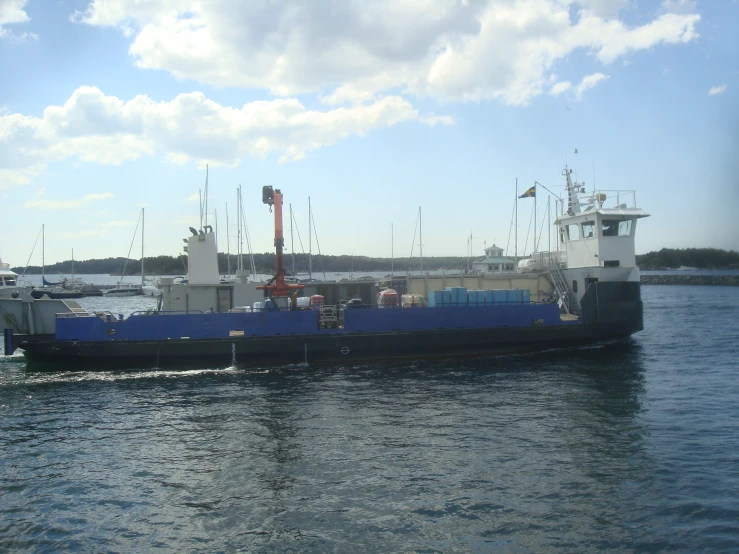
(123,290)
(9,282)
(57,293)
(150,290)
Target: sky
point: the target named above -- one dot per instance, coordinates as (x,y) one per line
(370,108)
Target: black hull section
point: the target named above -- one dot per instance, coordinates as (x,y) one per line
(610,311)
(56,294)
(316,348)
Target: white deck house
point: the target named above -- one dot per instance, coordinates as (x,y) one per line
(597,234)
(494,262)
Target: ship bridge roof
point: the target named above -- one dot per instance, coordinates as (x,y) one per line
(619,212)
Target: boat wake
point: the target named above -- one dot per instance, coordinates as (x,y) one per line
(123,375)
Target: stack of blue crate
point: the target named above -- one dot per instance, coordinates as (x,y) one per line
(519,296)
(459,295)
(476,298)
(439,298)
(500,296)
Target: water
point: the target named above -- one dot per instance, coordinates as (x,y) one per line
(630,447)
(698,272)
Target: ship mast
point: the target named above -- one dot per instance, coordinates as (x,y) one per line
(292,243)
(142,248)
(572,190)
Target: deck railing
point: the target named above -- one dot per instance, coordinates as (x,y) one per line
(604,198)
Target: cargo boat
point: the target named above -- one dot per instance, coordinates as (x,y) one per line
(594,295)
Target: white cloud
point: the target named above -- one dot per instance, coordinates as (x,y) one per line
(560,87)
(46,204)
(351,52)
(18,176)
(717,90)
(589,81)
(93,127)
(193,198)
(13,12)
(603,8)
(433,120)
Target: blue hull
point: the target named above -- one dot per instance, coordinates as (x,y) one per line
(295,336)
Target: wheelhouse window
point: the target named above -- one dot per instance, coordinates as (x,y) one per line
(573,231)
(10,281)
(616,227)
(624,228)
(588,229)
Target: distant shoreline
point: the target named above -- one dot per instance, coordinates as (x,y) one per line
(708,280)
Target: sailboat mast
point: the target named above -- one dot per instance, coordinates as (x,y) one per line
(73,264)
(515,229)
(420,235)
(228,243)
(239,261)
(43,250)
(292,244)
(310,239)
(549,223)
(142,247)
(536,248)
(215,216)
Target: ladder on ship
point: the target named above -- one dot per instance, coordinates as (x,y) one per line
(566,298)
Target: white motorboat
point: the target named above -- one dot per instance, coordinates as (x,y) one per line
(9,282)
(123,290)
(150,288)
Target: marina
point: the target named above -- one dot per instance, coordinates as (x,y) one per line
(357,277)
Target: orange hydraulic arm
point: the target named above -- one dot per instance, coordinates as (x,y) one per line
(277,285)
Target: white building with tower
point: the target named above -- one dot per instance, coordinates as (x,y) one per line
(494,262)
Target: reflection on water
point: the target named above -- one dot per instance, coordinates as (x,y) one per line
(567,450)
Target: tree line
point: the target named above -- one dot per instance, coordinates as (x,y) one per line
(702,258)
(264,263)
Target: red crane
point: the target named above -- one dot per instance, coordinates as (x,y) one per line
(277,287)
